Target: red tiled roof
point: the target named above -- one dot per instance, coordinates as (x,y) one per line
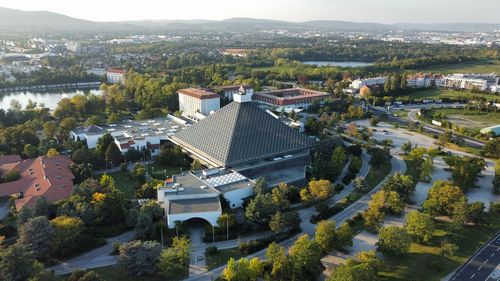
(116,70)
(7,159)
(199,93)
(43,176)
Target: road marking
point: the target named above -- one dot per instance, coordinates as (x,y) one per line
(498,249)
(486,261)
(492,254)
(472,276)
(479,268)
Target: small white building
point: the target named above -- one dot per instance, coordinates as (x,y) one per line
(196,194)
(114,75)
(198,100)
(229,91)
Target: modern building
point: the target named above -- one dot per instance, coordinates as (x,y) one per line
(495,130)
(195,101)
(369,82)
(114,75)
(197,194)
(49,177)
(228,91)
(132,134)
(247,139)
(482,82)
(290,98)
(421,80)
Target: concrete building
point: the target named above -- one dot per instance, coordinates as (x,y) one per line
(290,98)
(49,177)
(193,102)
(421,80)
(228,91)
(114,75)
(131,134)
(196,194)
(460,81)
(369,82)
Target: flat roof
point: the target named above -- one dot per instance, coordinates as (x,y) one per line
(198,205)
(199,93)
(190,184)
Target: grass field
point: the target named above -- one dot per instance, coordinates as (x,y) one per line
(221,257)
(449,94)
(376,175)
(124,184)
(466,118)
(469,67)
(423,262)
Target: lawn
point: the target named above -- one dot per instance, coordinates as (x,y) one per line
(125,184)
(221,257)
(115,273)
(160,171)
(378,174)
(468,67)
(449,94)
(423,262)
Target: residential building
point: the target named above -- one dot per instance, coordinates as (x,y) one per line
(114,75)
(49,177)
(290,98)
(369,82)
(421,80)
(228,91)
(481,82)
(195,101)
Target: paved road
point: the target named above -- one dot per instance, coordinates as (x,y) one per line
(427,128)
(96,258)
(398,165)
(481,266)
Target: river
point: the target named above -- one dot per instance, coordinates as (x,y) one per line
(338,63)
(48,99)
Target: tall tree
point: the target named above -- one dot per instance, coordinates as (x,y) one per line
(36,235)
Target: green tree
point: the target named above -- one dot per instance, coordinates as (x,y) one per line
(325,235)
(41,207)
(406,147)
(279,195)
(420,226)
(344,236)
(448,249)
(261,208)
(139,258)
(373,219)
(103,143)
(402,184)
(393,241)
(174,261)
(49,129)
(36,235)
(280,263)
(17,263)
(442,198)
(360,184)
(30,151)
(465,170)
(226,221)
(144,227)
(426,170)
(242,270)
(476,214)
(339,158)
(196,165)
(277,223)
(305,255)
(113,155)
(67,235)
(52,152)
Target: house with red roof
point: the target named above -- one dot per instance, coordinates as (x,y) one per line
(49,177)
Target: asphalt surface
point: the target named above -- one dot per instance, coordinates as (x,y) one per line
(481,265)
(427,128)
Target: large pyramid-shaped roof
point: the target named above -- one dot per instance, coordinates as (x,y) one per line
(240,133)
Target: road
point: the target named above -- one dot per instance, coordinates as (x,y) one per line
(427,128)
(398,165)
(482,265)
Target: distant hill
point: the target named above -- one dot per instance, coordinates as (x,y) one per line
(41,21)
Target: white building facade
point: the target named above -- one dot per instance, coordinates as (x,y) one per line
(193,101)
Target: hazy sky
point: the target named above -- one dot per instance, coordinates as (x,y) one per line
(382,11)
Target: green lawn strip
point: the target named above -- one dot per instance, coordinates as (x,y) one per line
(115,273)
(378,174)
(423,262)
(450,94)
(484,119)
(160,171)
(123,183)
(222,257)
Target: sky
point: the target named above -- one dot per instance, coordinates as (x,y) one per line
(380,11)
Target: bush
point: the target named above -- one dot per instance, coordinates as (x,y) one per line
(348,178)
(123,167)
(325,213)
(339,187)
(211,250)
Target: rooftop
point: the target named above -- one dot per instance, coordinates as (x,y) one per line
(240,133)
(199,205)
(293,93)
(199,93)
